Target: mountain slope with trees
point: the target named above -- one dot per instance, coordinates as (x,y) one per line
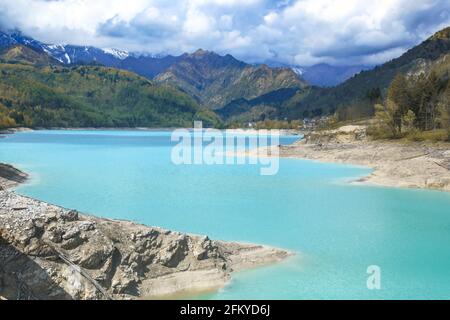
(36,91)
(361,90)
(354,98)
(213,80)
(417,104)
(216,80)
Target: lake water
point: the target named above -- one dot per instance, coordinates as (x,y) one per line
(336,229)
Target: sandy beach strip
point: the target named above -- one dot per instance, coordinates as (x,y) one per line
(404,164)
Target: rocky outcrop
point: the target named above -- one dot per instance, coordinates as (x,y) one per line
(48,252)
(10,176)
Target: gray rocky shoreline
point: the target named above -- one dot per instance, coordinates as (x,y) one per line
(49,252)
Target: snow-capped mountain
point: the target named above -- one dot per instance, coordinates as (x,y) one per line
(6,40)
(10,39)
(150,65)
(70,54)
(119,54)
(67,54)
(299,71)
(145,64)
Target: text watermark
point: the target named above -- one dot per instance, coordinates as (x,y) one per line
(227,147)
(374,279)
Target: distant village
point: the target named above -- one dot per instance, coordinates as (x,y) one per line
(307,124)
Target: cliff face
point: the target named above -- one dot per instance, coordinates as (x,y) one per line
(48,252)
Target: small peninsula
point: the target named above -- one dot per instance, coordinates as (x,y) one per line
(49,252)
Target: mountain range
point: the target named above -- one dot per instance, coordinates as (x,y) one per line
(151,65)
(358,93)
(359,88)
(216,80)
(37,90)
(211,79)
(66,54)
(235,90)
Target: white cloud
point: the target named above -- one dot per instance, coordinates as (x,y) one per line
(271,18)
(226,22)
(302,32)
(197,23)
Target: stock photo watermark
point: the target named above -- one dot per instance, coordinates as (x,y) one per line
(374,279)
(227,147)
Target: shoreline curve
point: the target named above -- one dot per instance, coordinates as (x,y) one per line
(64,254)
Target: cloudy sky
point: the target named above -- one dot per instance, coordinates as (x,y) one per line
(302,32)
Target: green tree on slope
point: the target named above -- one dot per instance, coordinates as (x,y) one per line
(444,111)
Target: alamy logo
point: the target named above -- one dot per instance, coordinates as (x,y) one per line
(374,279)
(231,147)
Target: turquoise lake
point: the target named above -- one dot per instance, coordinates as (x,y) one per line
(337,229)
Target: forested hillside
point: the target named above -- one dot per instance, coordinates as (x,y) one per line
(216,80)
(35,91)
(358,94)
(354,99)
(417,104)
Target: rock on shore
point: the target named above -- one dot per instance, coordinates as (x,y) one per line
(10,176)
(48,252)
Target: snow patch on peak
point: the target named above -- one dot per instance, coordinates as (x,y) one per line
(59,59)
(67,59)
(56,47)
(298,71)
(119,54)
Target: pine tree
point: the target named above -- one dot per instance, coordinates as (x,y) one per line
(429,102)
(386,119)
(398,94)
(416,92)
(444,111)
(408,121)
